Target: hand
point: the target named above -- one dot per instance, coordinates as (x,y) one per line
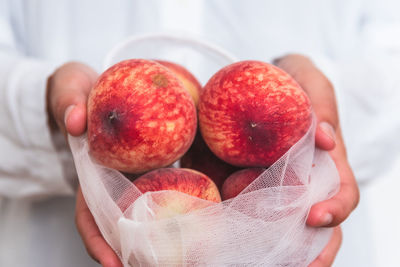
(331,212)
(67,92)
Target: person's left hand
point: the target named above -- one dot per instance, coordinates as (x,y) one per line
(331,212)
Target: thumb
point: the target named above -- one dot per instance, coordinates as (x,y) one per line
(67,92)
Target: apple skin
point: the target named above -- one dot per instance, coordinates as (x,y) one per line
(251,113)
(187,181)
(238,181)
(184,180)
(186,77)
(140,117)
(199,157)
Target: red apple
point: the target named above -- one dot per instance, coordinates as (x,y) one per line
(186,77)
(188,190)
(140,117)
(199,157)
(238,181)
(251,113)
(187,181)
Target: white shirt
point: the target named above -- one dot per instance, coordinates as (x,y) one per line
(356,43)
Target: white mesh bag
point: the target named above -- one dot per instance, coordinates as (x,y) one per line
(263,226)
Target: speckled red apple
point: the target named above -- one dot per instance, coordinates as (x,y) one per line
(187,181)
(186,77)
(183,180)
(140,117)
(238,181)
(199,157)
(252,112)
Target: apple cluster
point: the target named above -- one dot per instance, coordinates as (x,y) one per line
(144,115)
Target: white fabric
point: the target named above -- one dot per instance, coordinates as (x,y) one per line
(356,42)
(262,226)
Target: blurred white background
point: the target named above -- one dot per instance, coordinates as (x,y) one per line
(371,235)
(383,198)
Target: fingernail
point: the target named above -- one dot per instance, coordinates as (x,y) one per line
(67,112)
(328,130)
(326,219)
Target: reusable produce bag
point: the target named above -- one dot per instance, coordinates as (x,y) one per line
(264,225)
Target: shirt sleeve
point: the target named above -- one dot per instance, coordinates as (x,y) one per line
(367,84)
(33,162)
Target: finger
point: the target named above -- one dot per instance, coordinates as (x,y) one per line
(321,94)
(325,136)
(68,89)
(75,119)
(334,211)
(328,254)
(94,242)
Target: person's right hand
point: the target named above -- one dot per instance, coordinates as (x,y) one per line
(328,136)
(67,92)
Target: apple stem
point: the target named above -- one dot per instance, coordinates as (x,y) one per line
(112,116)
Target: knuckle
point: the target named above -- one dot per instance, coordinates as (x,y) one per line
(340,213)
